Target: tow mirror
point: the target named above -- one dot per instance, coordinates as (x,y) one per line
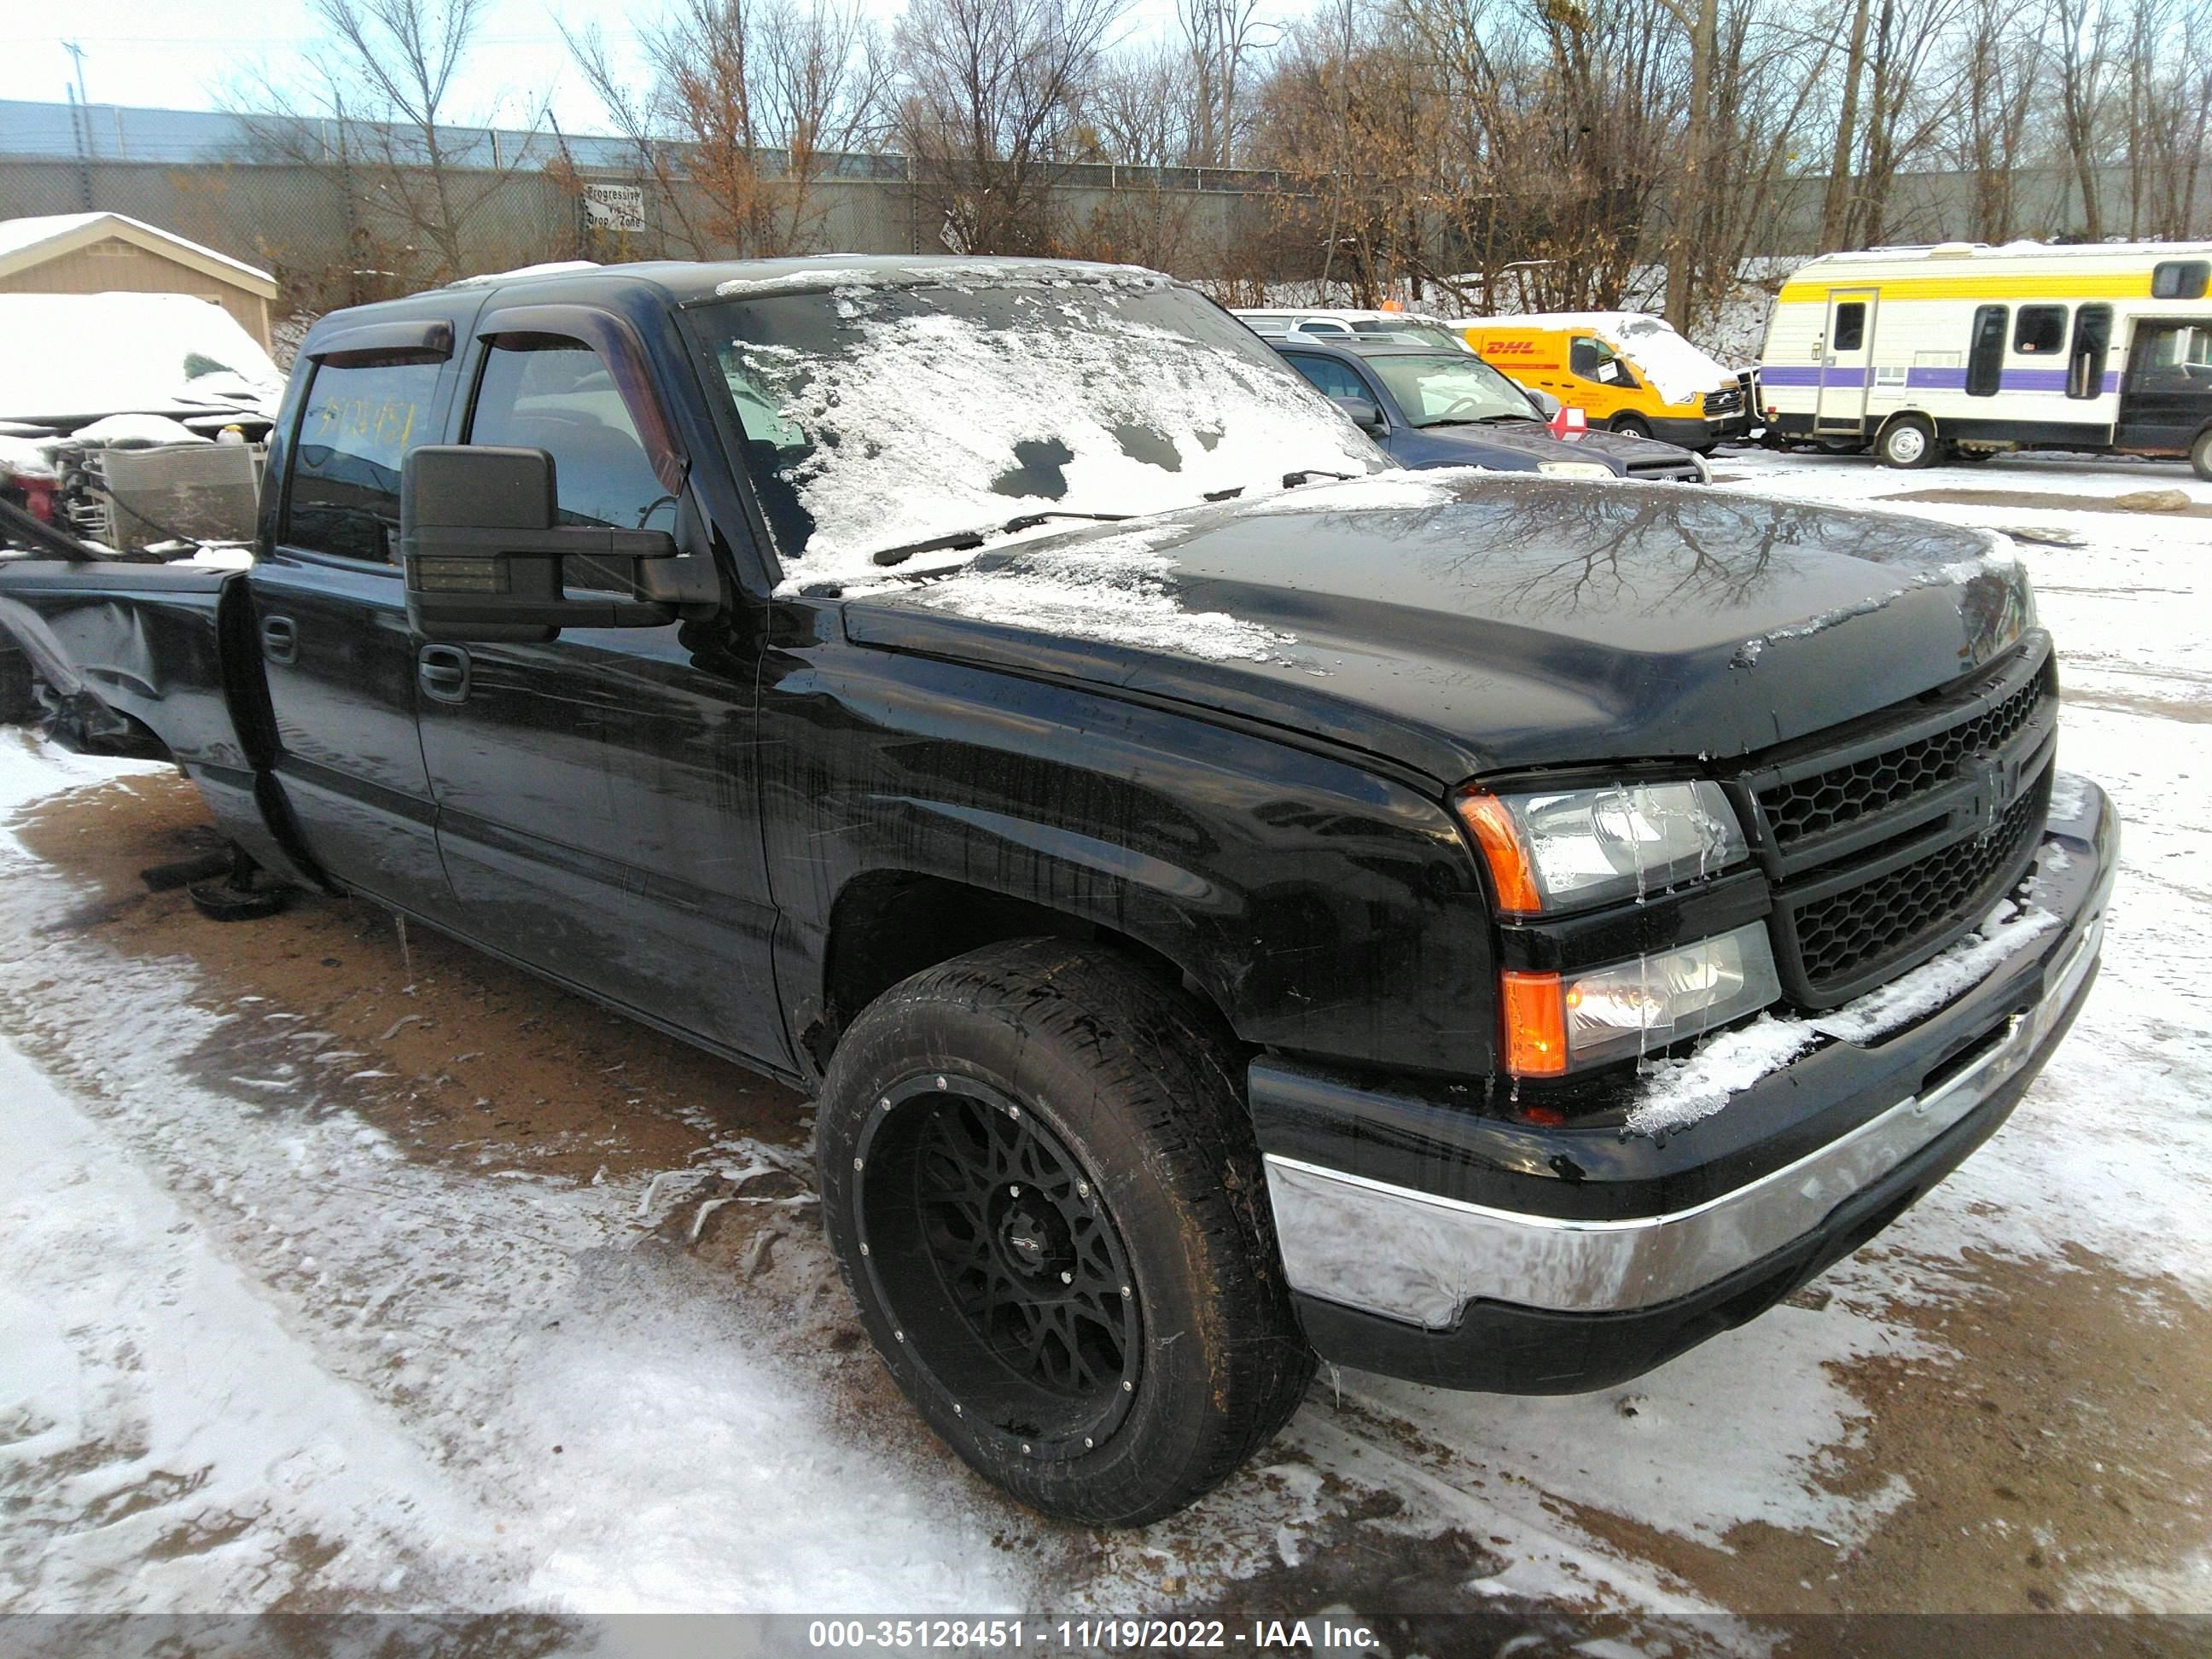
(484,550)
(1365,415)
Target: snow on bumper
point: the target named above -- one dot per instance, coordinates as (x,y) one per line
(1424,1256)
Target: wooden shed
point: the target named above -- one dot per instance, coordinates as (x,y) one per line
(105,253)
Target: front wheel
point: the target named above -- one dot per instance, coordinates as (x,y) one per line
(1040,1185)
(2200,454)
(1631,426)
(1907,441)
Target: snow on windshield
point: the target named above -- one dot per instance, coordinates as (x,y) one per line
(879,416)
(1678,371)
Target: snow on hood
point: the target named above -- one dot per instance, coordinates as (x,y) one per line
(1117,589)
(73,357)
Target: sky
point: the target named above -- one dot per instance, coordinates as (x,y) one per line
(188,54)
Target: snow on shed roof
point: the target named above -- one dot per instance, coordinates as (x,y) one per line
(25,242)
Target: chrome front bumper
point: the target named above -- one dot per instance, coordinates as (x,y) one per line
(1422,1258)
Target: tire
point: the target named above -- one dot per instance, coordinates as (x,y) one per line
(1631,426)
(1114,1104)
(219,900)
(1907,442)
(2200,454)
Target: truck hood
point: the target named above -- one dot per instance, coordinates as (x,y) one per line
(1459,623)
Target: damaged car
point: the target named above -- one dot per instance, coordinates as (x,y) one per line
(1235,902)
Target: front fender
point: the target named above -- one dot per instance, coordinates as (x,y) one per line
(1326,910)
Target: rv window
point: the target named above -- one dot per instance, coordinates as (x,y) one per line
(1850,327)
(2085,364)
(2179,279)
(2041,330)
(1985,359)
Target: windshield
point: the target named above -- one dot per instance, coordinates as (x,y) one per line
(877,415)
(1444,389)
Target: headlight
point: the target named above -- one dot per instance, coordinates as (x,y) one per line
(1575,469)
(1555,1022)
(1563,850)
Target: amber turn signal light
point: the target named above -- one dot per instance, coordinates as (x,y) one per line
(1490,822)
(1532,1015)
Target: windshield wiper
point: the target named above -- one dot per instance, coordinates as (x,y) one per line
(1292,480)
(967,538)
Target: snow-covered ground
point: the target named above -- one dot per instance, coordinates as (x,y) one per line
(257,1349)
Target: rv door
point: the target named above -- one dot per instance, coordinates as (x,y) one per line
(1846,360)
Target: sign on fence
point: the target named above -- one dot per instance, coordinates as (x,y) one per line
(614,207)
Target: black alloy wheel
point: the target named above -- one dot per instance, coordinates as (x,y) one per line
(1014,1286)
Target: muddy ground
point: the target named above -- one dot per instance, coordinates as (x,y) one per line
(2048,1446)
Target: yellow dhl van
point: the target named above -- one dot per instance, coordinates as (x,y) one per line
(1623,369)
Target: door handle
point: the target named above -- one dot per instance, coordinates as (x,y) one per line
(442,670)
(280,639)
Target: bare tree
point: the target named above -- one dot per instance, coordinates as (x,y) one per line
(398,59)
(2080,36)
(765,94)
(990,102)
(1222,37)
(1997,52)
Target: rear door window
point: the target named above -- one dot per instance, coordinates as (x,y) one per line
(1329,377)
(1985,355)
(1850,326)
(356,423)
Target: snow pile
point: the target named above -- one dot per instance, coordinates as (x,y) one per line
(925,423)
(1679,1092)
(1117,591)
(76,356)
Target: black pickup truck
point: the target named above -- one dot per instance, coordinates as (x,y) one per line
(1235,900)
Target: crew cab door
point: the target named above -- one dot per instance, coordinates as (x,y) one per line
(597,801)
(330,610)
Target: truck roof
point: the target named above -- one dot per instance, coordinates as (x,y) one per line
(689,281)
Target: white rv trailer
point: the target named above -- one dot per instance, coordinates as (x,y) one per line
(1970,350)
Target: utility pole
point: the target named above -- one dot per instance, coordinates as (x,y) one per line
(81,118)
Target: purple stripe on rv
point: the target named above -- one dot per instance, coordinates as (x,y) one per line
(1932,380)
